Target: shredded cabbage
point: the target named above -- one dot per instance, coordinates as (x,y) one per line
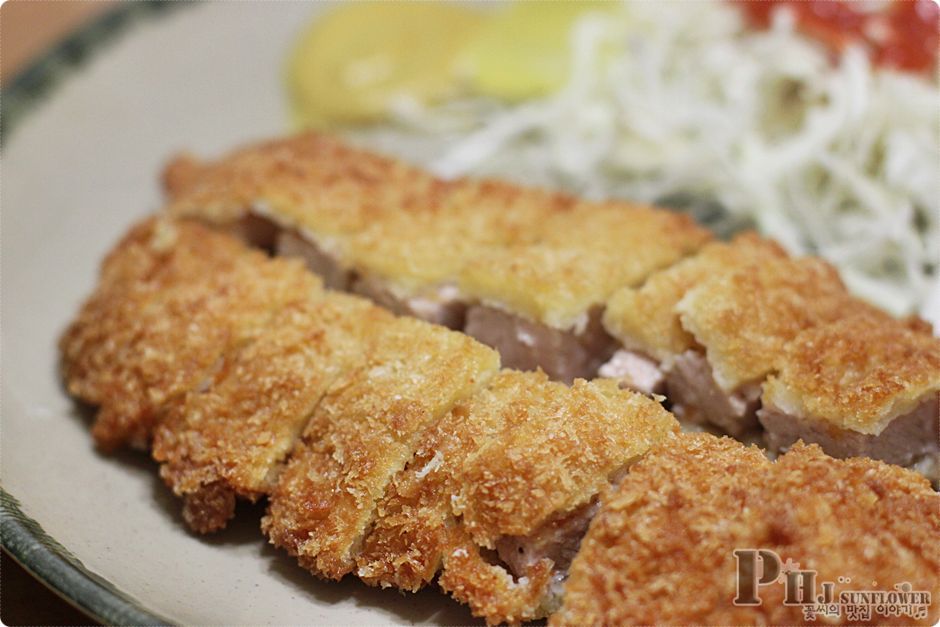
(680,103)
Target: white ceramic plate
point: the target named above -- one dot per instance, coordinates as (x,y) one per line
(85,133)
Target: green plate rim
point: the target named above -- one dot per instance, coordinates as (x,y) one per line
(22,537)
(41,555)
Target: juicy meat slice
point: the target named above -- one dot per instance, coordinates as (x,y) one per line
(863,385)
(634,371)
(527,345)
(231,437)
(290,243)
(443,306)
(254,230)
(908,440)
(557,540)
(697,398)
(173,298)
(364,431)
(661,550)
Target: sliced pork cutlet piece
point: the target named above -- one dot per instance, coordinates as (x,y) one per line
(541,304)
(662,548)
(173,298)
(644,319)
(501,491)
(411,261)
(741,322)
(861,386)
(414,522)
(364,431)
(231,438)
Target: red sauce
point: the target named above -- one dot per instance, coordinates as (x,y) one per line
(902,34)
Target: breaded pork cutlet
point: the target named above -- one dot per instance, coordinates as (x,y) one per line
(862,385)
(410,261)
(501,490)
(365,431)
(540,304)
(230,438)
(645,321)
(661,550)
(172,299)
(741,321)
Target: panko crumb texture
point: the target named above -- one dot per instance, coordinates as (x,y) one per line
(520,452)
(392,221)
(661,548)
(172,298)
(645,318)
(856,373)
(746,318)
(396,450)
(233,433)
(579,258)
(364,431)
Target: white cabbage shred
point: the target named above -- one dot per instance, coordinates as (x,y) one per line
(681,103)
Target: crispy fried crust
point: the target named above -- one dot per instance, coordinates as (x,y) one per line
(504,463)
(645,319)
(660,551)
(558,448)
(234,434)
(173,297)
(414,520)
(427,245)
(365,430)
(392,221)
(856,373)
(309,180)
(745,319)
(580,258)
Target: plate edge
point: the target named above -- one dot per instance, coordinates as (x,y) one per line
(35,82)
(21,537)
(40,554)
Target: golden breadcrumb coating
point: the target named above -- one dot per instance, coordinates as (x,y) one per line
(310,180)
(428,245)
(502,464)
(413,253)
(660,550)
(744,319)
(559,447)
(363,432)
(414,522)
(580,259)
(645,319)
(232,436)
(173,297)
(856,373)
(386,219)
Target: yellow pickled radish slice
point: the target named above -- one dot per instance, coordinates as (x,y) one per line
(356,59)
(523,51)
